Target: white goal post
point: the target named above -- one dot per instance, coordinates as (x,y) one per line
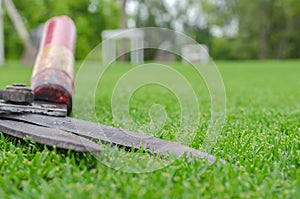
(195,53)
(109,45)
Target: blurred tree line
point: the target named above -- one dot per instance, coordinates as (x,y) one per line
(90,18)
(268,29)
(232,29)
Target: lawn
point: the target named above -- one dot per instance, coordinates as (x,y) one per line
(260,137)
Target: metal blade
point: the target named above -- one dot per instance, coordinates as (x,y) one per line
(111,135)
(48,136)
(37,107)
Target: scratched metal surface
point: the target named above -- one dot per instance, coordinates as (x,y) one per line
(111,135)
(48,136)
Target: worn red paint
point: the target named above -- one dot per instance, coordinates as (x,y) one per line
(59,31)
(52,76)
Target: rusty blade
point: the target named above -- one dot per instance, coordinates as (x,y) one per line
(110,135)
(37,107)
(48,136)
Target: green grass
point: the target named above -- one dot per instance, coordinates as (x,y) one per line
(260,137)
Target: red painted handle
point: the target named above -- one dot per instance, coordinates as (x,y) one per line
(53,73)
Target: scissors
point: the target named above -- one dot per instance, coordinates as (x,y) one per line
(41,110)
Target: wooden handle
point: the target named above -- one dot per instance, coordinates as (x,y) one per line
(53,73)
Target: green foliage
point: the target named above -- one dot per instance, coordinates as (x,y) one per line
(261,137)
(272,25)
(150,14)
(13,45)
(90,17)
(267,29)
(232,49)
